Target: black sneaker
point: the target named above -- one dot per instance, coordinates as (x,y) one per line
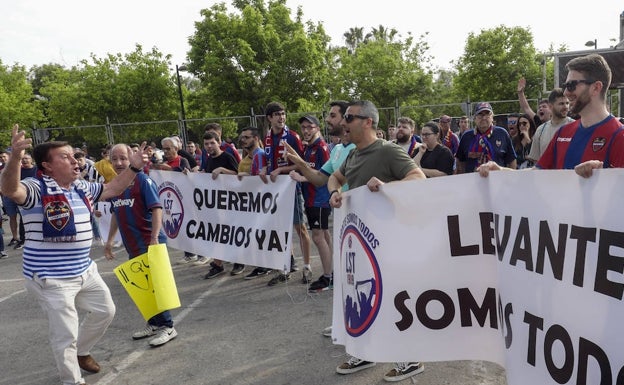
(13,242)
(237,269)
(258,272)
(353,365)
(19,245)
(403,370)
(321,284)
(280,278)
(215,271)
(293,265)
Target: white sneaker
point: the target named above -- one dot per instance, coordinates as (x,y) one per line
(188,259)
(201,261)
(327,331)
(147,331)
(163,335)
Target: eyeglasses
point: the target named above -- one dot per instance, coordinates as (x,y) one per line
(350,117)
(524,123)
(571,85)
(512,122)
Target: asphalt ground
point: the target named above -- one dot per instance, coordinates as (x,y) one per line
(230,331)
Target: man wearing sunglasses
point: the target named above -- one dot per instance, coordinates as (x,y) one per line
(373,162)
(596,139)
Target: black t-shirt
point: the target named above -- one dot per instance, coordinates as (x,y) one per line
(225,160)
(440,158)
(190,158)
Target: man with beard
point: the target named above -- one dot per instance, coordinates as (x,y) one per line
(543,114)
(596,139)
(405,136)
(559,105)
(320,177)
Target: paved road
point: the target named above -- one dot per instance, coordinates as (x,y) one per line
(230,331)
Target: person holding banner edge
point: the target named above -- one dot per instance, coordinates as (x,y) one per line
(596,139)
(373,163)
(138,216)
(56,208)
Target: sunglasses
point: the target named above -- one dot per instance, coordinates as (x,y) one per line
(350,117)
(571,85)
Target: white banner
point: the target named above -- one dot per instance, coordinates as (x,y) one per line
(522,268)
(244,221)
(104,221)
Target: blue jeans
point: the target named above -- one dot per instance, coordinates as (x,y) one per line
(162,319)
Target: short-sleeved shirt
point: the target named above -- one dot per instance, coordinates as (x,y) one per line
(133,210)
(225,160)
(574,144)
(316,154)
(500,140)
(336,158)
(542,137)
(440,158)
(382,159)
(57,259)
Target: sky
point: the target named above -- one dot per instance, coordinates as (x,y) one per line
(36,32)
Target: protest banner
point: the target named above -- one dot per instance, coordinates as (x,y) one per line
(104,221)
(149,281)
(244,221)
(523,269)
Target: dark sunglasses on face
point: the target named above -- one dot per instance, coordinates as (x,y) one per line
(571,85)
(350,117)
(512,122)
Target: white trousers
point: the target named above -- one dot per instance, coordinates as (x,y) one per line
(61,299)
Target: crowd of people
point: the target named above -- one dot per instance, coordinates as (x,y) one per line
(54,199)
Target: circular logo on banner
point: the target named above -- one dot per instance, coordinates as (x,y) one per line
(173,210)
(362,288)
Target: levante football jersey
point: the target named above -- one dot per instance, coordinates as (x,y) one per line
(134,216)
(574,144)
(316,154)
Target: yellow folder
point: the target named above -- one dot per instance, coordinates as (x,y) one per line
(149,281)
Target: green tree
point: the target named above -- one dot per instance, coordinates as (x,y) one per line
(16,101)
(384,69)
(136,87)
(256,55)
(492,63)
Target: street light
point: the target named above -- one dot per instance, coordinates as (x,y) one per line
(184,132)
(593,43)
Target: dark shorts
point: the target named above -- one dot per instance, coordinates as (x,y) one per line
(318,217)
(10,207)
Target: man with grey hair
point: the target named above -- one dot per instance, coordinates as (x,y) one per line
(373,163)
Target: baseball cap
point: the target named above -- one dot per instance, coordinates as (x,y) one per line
(310,118)
(482,106)
(445,119)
